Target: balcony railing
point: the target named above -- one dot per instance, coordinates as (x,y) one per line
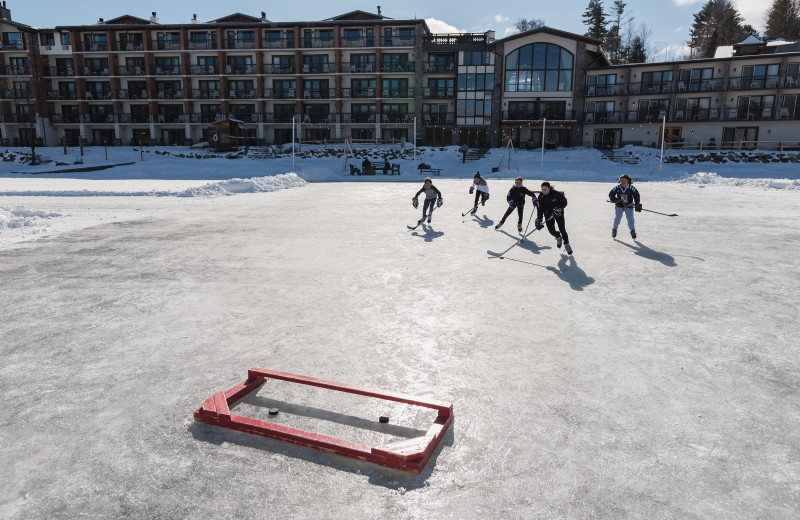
(792,81)
(136,70)
(12,46)
(358,42)
(96,71)
(634,116)
(92,95)
(533,115)
(206,117)
(394,117)
(789,112)
(94,46)
(440,92)
(439,67)
(358,68)
(318,68)
(319,93)
(664,87)
(398,67)
(695,115)
(355,93)
(162,45)
(399,42)
(317,118)
(282,43)
(240,44)
(438,118)
(753,82)
(603,117)
(317,43)
(99,117)
(134,118)
(18,94)
(243,93)
(397,93)
(204,70)
(700,85)
(15,70)
(60,119)
(168,70)
(60,71)
(269,68)
(455,39)
(240,69)
(62,95)
(132,94)
(605,90)
(170,118)
(169,94)
(205,94)
(748,114)
(206,45)
(357,118)
(283,118)
(272,93)
(129,46)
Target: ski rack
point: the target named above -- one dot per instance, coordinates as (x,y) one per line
(407,455)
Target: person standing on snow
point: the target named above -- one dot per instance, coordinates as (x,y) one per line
(480,184)
(516,199)
(551,204)
(432,195)
(627,199)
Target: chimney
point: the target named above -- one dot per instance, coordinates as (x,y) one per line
(5,12)
(194,19)
(490,36)
(264,16)
(379,11)
(154,18)
(100,21)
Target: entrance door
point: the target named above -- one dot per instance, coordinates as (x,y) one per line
(607,138)
(171,137)
(672,134)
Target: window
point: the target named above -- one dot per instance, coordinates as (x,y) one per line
(600,109)
(474,107)
(656,81)
(601,85)
(65,39)
(755,107)
(695,80)
(397,63)
(316,63)
(283,64)
(651,110)
(13,40)
(47,39)
(692,109)
(760,76)
(440,63)
(362,62)
(283,88)
(440,87)
(475,82)
(169,65)
(790,107)
(362,88)
(362,113)
(538,67)
(475,58)
(316,89)
(352,35)
(395,88)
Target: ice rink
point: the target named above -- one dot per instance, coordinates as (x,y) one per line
(655,378)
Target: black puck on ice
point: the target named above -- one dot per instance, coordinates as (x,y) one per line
(273,411)
(383,419)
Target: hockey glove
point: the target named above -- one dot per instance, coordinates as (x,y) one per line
(512,204)
(618,202)
(415,202)
(439,203)
(638,208)
(485,198)
(535,202)
(538,223)
(557,212)
(471,189)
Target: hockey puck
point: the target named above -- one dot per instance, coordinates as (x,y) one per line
(383,419)
(273,411)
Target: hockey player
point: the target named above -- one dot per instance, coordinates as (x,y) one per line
(627,199)
(516,199)
(551,206)
(432,196)
(483,191)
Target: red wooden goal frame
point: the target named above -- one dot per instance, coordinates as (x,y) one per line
(407,455)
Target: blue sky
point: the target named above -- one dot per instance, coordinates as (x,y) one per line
(669,20)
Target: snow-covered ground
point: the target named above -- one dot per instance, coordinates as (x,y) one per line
(655,378)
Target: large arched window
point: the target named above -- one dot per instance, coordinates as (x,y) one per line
(539,67)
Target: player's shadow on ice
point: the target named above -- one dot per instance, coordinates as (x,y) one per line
(645,252)
(429,235)
(484,221)
(528,244)
(569,271)
(377,475)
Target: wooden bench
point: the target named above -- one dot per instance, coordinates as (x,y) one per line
(354,170)
(381,166)
(432,171)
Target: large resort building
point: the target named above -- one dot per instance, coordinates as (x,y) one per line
(368,77)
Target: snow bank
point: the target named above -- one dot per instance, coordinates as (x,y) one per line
(20,217)
(711,178)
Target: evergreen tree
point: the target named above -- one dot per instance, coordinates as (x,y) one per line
(524,25)
(783,20)
(717,23)
(613,39)
(595,18)
(637,53)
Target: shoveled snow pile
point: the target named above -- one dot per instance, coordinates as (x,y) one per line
(718,180)
(20,217)
(251,185)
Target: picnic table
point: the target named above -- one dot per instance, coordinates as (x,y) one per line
(393,169)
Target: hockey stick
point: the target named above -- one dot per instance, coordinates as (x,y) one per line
(654,169)
(470,209)
(522,238)
(650,210)
(423,218)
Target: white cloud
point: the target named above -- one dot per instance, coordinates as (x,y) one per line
(753,13)
(509,31)
(499,18)
(441,27)
(681,3)
(679,29)
(671,53)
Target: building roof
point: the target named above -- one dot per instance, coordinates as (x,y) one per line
(554,32)
(358,15)
(238,17)
(127,19)
(751,39)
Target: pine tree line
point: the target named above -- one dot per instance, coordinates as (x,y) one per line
(622,41)
(783,20)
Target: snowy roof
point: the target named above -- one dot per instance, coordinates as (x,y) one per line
(724,51)
(751,40)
